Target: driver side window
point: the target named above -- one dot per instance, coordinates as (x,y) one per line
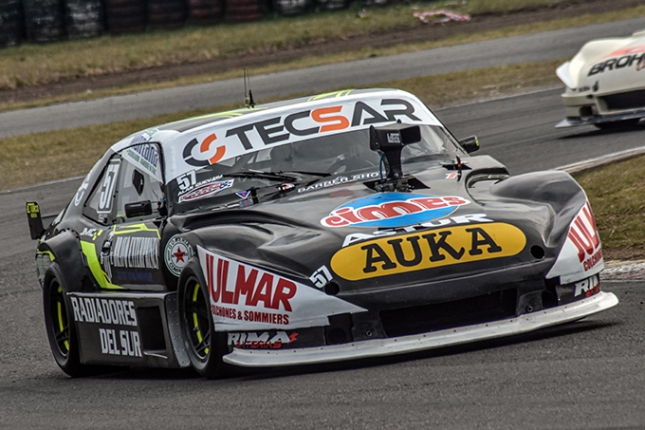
(132,177)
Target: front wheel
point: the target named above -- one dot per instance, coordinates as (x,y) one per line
(205,347)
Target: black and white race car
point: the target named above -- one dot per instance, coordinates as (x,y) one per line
(605,83)
(337,227)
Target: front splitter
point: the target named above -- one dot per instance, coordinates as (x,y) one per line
(426,341)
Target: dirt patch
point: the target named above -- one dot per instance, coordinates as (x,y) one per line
(423,32)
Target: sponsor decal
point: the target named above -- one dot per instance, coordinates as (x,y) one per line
(461,219)
(121,342)
(145,157)
(587,287)
(392,210)
(583,233)
(286,187)
(205,190)
(43,261)
(104,311)
(204,147)
(321,277)
(627,57)
(188,181)
(304,124)
(243,194)
(137,276)
(92,233)
(78,198)
(107,187)
(135,252)
(110,312)
(339,180)
(177,253)
(263,340)
(452,175)
(427,250)
(144,136)
(246,296)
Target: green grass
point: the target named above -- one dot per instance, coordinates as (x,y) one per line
(29,64)
(17,65)
(617,195)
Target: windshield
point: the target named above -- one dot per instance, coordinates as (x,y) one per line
(293,163)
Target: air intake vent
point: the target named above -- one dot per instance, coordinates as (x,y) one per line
(474,310)
(632,100)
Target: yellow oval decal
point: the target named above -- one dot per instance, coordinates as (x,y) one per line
(427,250)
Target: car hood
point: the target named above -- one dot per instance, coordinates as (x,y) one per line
(464,222)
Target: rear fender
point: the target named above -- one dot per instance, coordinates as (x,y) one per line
(64,248)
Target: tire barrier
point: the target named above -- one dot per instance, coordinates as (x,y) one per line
(125,16)
(291,7)
(84,18)
(11,23)
(205,12)
(166,14)
(244,10)
(332,4)
(44,20)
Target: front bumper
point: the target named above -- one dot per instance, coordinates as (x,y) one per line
(425,341)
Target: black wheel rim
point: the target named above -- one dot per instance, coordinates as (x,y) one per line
(197,320)
(58,320)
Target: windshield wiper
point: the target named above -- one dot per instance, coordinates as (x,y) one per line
(259,174)
(302,172)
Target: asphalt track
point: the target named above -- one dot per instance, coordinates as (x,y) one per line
(532,47)
(586,375)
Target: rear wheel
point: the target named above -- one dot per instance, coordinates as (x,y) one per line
(205,347)
(60,326)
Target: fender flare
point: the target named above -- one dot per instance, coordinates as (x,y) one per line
(66,250)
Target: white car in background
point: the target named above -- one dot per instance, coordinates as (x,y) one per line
(605,83)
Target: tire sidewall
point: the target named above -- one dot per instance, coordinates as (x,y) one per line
(212,366)
(69,362)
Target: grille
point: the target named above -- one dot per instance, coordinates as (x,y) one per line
(631,100)
(474,310)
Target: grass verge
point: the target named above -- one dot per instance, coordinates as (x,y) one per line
(30,65)
(617,195)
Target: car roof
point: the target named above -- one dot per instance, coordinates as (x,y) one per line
(196,142)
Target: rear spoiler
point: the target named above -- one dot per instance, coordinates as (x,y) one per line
(36,228)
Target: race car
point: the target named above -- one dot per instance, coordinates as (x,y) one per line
(605,84)
(335,227)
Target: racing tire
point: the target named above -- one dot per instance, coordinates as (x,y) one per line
(205,347)
(59,324)
(618,125)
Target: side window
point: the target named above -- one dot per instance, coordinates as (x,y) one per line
(140,180)
(100,205)
(132,176)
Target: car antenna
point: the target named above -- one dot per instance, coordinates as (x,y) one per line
(248,96)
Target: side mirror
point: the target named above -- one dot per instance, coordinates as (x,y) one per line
(470,144)
(136,209)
